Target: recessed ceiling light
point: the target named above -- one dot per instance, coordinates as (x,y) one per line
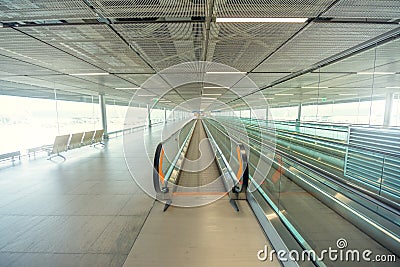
(376,72)
(318,98)
(90,74)
(164,101)
(393,87)
(348,94)
(127,88)
(216,87)
(283,94)
(263,20)
(212,94)
(146,95)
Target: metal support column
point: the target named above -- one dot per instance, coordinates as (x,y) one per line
(299,113)
(148,116)
(102,102)
(298,117)
(388,109)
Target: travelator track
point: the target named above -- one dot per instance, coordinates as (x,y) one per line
(224,180)
(173,184)
(216,179)
(292,181)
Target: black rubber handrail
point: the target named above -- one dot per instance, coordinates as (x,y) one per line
(158,174)
(244,179)
(156,169)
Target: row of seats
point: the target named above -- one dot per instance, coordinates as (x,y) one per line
(66,142)
(11,156)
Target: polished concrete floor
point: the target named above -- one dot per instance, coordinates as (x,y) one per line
(212,235)
(86,211)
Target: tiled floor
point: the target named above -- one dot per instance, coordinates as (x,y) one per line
(211,235)
(86,211)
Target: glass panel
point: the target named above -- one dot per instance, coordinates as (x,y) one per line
(77,117)
(395,119)
(284,113)
(116,117)
(260,114)
(157,115)
(31,122)
(26,123)
(245,113)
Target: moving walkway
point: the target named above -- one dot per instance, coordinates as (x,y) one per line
(310,206)
(203,235)
(202,166)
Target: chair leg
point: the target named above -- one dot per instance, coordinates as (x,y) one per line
(56,155)
(99,143)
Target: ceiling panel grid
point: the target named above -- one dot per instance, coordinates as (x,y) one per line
(151,8)
(97,44)
(382,9)
(318,42)
(11,66)
(263,79)
(165,44)
(135,78)
(22,47)
(267,8)
(28,10)
(244,45)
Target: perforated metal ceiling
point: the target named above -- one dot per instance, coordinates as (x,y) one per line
(389,9)
(151,8)
(320,41)
(96,44)
(20,46)
(165,44)
(262,9)
(27,10)
(133,39)
(244,45)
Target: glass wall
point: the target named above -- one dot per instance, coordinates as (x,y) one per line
(284,113)
(395,118)
(75,117)
(157,115)
(360,112)
(260,114)
(169,115)
(245,113)
(116,114)
(31,122)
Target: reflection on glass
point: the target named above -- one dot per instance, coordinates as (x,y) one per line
(30,122)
